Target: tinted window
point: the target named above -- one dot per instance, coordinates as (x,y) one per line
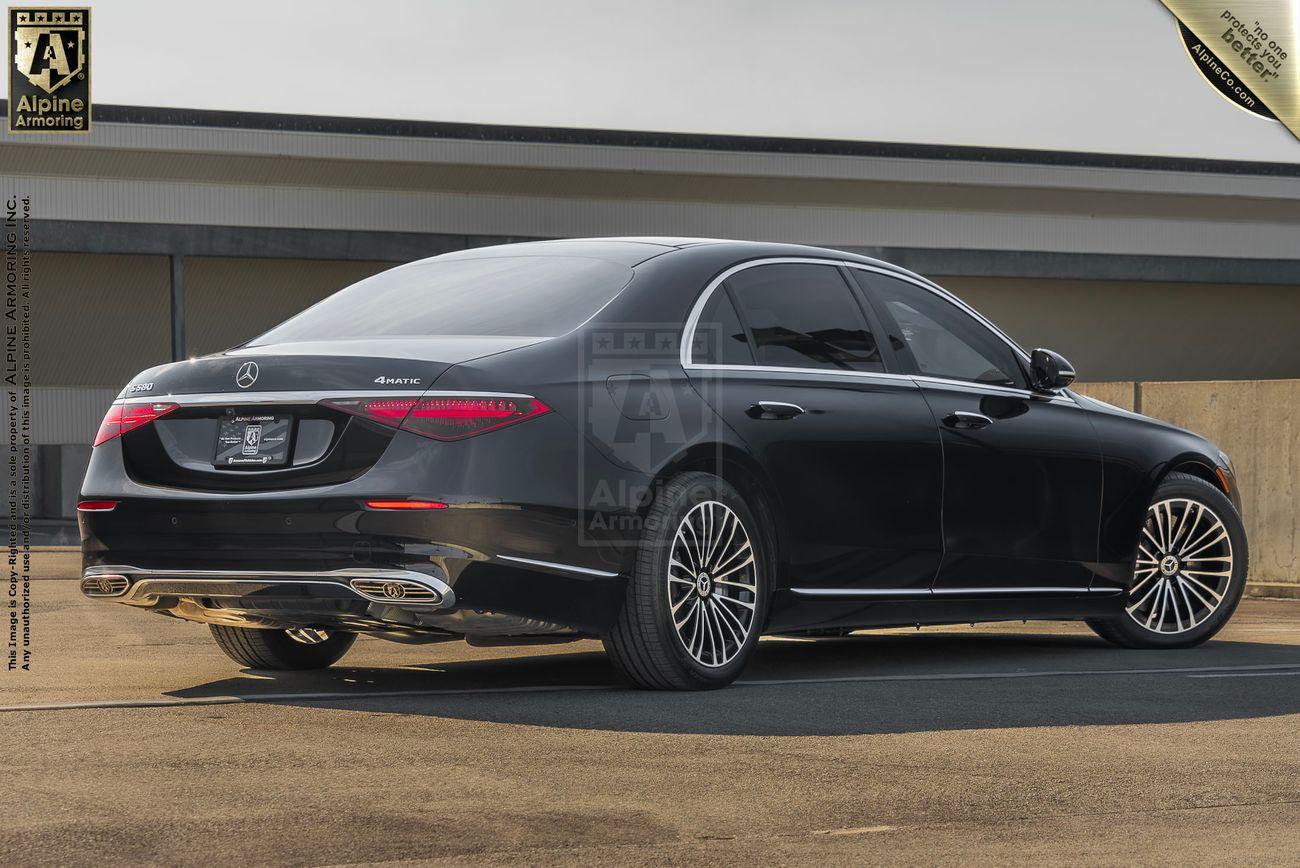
(804,316)
(540,296)
(719,337)
(944,340)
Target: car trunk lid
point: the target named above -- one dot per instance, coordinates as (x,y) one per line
(266,418)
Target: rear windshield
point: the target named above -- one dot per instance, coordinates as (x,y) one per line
(538,296)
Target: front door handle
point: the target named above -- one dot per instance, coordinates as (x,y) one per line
(963,419)
(773,410)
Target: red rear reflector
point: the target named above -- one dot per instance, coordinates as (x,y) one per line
(121,418)
(405,504)
(96,506)
(445,417)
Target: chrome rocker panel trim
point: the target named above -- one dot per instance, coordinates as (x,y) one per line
(931,593)
(568,568)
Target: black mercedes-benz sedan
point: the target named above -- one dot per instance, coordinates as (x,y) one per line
(674,445)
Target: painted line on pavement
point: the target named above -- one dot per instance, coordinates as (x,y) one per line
(1046,673)
(1244,674)
(253,699)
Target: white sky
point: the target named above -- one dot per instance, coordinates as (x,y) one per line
(1102,75)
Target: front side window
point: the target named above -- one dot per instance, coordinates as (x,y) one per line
(804,316)
(524,296)
(943,339)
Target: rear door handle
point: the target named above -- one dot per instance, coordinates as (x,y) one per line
(773,410)
(962,419)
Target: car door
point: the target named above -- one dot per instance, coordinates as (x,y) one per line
(1022,471)
(785,353)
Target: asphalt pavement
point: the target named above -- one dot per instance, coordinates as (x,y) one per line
(134,740)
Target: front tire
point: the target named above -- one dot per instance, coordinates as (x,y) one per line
(1189,573)
(282,649)
(697,598)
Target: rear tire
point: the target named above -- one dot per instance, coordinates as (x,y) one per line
(1203,590)
(697,598)
(276,649)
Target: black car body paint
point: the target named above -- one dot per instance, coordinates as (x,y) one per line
(880,512)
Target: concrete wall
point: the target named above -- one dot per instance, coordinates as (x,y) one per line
(98,320)
(1131,330)
(1258,424)
(229,300)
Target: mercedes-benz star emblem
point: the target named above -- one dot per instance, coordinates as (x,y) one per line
(246,375)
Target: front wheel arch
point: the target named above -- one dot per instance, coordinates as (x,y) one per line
(1122,630)
(1193,467)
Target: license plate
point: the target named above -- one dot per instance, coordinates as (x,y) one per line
(253,441)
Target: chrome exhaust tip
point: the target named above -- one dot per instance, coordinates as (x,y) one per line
(105,585)
(400,591)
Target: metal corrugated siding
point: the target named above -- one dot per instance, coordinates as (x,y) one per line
(67,415)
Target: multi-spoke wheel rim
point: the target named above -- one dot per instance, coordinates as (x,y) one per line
(308,636)
(1184,567)
(712,584)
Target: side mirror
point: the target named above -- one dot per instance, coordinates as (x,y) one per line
(1049,371)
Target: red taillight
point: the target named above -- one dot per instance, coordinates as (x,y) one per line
(445,417)
(121,418)
(405,504)
(454,417)
(96,506)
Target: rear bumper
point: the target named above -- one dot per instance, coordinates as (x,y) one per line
(400,604)
(516,536)
(504,559)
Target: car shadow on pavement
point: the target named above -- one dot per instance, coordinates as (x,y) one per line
(853,685)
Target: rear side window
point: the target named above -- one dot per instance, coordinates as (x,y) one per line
(804,316)
(944,340)
(527,296)
(720,339)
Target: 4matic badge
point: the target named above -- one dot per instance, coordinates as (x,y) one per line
(397,381)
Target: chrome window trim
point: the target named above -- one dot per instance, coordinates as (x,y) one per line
(1061,397)
(688,331)
(892,379)
(208,399)
(1064,397)
(697,310)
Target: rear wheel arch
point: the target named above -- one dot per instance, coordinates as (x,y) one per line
(744,474)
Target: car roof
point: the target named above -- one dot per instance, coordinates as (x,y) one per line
(633,250)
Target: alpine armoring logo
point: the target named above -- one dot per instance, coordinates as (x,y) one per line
(49,78)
